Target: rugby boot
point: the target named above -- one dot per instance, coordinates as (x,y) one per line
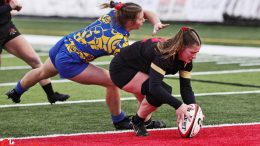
(14,96)
(138,126)
(124,124)
(57,97)
(154,124)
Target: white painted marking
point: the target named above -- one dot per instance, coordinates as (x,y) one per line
(28,67)
(122,99)
(193,74)
(125,131)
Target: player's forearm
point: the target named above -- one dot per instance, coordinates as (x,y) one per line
(151,17)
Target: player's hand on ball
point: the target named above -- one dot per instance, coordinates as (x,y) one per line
(181,111)
(190,128)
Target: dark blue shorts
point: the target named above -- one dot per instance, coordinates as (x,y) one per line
(68,64)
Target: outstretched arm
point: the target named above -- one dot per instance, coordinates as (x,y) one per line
(154,20)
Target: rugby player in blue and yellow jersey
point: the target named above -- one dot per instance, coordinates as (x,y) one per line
(71,56)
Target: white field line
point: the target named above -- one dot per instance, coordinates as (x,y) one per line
(221,72)
(125,131)
(250,64)
(53,81)
(242,63)
(123,99)
(193,74)
(28,67)
(218,60)
(12,56)
(15,67)
(237,61)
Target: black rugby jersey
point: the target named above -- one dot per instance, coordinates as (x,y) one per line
(142,56)
(5,15)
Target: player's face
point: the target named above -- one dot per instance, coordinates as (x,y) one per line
(139,20)
(187,54)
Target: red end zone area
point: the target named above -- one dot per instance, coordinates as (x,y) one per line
(243,135)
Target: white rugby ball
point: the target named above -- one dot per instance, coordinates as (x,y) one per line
(191,128)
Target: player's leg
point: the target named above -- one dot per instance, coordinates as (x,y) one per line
(137,122)
(19,47)
(138,83)
(99,76)
(135,86)
(31,78)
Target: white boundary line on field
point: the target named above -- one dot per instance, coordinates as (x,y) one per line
(28,67)
(193,74)
(122,99)
(12,56)
(124,131)
(221,72)
(52,81)
(6,68)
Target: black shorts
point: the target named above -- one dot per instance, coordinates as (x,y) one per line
(120,73)
(7,33)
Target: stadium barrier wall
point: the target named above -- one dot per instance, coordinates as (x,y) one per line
(168,10)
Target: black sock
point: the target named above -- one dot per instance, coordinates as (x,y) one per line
(48,89)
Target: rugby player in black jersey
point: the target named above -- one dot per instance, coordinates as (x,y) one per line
(140,69)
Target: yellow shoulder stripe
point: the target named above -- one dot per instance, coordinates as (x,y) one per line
(185,74)
(158,69)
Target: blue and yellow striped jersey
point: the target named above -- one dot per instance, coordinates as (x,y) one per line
(102,37)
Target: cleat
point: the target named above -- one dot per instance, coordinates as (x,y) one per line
(154,124)
(139,128)
(123,125)
(57,97)
(14,96)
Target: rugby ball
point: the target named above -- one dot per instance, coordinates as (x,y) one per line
(191,128)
